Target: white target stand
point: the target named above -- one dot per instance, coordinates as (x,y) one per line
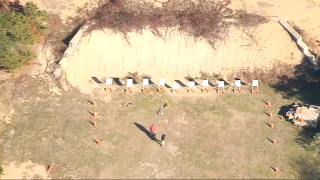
(129,85)
(109,84)
(191,86)
(205,84)
(162,83)
(237,86)
(221,87)
(145,84)
(175,88)
(254,88)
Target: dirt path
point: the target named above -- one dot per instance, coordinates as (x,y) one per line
(26,170)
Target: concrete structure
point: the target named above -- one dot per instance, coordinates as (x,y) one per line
(57,72)
(75,40)
(294,34)
(63,62)
(309,114)
(303,47)
(310,56)
(68,52)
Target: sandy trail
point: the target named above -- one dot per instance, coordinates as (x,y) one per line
(26,170)
(108,55)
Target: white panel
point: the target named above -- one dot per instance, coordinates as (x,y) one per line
(191,84)
(254,82)
(129,82)
(145,82)
(175,86)
(162,82)
(221,84)
(109,81)
(205,83)
(237,83)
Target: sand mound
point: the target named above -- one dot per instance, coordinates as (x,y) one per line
(104,54)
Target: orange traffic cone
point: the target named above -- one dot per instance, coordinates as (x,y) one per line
(274,141)
(269,104)
(95,124)
(99,142)
(95,115)
(281,117)
(276,169)
(301,119)
(94,103)
(271,125)
(270,115)
(49,168)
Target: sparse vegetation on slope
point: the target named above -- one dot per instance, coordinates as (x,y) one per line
(204,19)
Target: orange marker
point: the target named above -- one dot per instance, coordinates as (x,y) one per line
(269,104)
(49,168)
(270,115)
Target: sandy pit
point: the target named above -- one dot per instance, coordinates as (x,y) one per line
(26,170)
(104,54)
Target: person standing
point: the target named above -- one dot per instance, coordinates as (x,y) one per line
(163,137)
(153,130)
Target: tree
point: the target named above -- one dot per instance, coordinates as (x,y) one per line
(19,30)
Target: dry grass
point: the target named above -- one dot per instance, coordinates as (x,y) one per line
(204,19)
(208,136)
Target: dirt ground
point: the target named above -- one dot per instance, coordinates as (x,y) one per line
(208,135)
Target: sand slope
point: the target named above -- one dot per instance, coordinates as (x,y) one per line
(109,55)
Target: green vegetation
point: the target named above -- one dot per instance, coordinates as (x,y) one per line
(20,28)
(1,170)
(315,143)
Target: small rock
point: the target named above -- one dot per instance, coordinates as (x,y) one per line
(157,4)
(12,132)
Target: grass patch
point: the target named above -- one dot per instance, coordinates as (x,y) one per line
(219,136)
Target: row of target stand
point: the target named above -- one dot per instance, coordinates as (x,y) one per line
(175,86)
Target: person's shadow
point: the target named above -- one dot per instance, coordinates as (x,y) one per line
(143,129)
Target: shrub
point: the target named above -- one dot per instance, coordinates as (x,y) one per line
(20,28)
(202,19)
(1,170)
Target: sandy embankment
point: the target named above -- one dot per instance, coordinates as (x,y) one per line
(109,55)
